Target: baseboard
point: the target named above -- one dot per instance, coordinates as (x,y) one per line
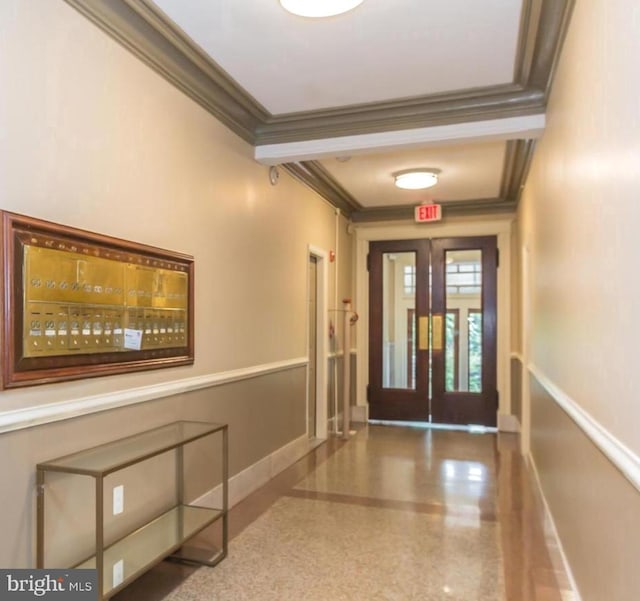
(562,564)
(332,423)
(253,477)
(508,423)
(360,413)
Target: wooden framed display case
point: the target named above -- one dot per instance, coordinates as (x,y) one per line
(119,563)
(79,304)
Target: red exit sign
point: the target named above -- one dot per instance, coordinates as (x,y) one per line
(426,213)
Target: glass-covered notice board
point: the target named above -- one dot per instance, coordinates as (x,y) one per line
(80,304)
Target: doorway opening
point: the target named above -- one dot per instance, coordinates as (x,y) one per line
(317,343)
(312,374)
(432,331)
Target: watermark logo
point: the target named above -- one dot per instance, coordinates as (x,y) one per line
(60,585)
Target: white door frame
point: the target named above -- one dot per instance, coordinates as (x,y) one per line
(322,311)
(525,391)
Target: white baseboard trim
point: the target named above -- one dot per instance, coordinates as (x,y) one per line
(253,477)
(508,423)
(360,413)
(551,530)
(334,425)
(618,453)
(18,419)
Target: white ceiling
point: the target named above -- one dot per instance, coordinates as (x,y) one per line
(382,50)
(466,171)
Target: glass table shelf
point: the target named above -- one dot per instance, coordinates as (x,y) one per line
(121,562)
(112,456)
(126,559)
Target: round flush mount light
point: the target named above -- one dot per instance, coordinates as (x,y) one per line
(319,8)
(416,179)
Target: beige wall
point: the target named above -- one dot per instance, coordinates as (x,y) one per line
(516,389)
(516,297)
(579,219)
(92,138)
(580,216)
(595,509)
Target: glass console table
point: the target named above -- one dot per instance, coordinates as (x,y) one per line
(121,562)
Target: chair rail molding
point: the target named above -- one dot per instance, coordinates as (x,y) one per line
(28,417)
(617,452)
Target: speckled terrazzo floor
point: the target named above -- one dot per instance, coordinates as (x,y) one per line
(384,518)
(394,514)
(318,550)
(407,465)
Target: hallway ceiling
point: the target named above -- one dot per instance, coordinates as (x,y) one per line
(374,53)
(344,102)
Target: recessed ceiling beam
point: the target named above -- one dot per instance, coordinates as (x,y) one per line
(528,127)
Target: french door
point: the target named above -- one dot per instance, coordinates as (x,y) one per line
(432,330)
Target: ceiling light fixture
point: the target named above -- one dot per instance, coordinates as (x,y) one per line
(319,8)
(416,179)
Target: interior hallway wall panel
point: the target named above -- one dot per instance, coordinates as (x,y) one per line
(596,509)
(92,138)
(580,216)
(579,221)
(263,413)
(516,388)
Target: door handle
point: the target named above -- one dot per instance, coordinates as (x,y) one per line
(423,333)
(436,332)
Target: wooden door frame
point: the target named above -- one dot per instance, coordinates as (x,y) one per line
(401,403)
(500,226)
(463,408)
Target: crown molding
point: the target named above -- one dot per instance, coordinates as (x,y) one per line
(516,167)
(316,177)
(553,23)
(478,206)
(150,35)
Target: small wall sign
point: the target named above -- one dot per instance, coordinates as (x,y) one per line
(428,213)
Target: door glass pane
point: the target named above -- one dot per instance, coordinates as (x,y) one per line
(463,321)
(475,350)
(451,348)
(399,332)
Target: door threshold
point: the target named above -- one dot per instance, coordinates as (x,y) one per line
(471,428)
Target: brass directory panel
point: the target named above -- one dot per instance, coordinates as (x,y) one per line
(82,304)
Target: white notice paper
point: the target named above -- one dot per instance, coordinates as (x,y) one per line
(118,567)
(132,339)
